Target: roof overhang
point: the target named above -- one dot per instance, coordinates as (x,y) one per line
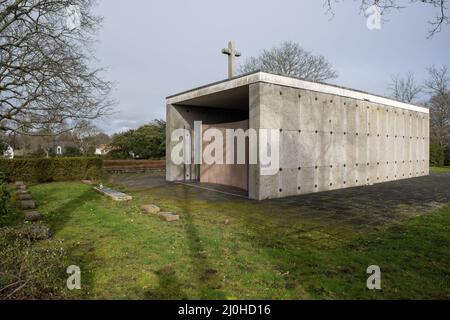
(192,97)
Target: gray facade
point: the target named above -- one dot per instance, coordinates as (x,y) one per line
(330,137)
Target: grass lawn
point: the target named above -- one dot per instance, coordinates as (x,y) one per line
(236,250)
(440,169)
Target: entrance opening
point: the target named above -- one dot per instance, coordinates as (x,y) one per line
(224,110)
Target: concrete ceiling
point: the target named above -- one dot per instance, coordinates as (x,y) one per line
(236,98)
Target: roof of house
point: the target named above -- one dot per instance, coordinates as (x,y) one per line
(265,77)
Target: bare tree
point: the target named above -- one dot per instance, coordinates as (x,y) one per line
(292,60)
(436,23)
(438,86)
(405,89)
(45,74)
(45,140)
(83,136)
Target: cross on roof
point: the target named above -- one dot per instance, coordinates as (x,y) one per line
(232,53)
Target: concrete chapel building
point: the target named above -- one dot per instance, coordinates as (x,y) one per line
(330,137)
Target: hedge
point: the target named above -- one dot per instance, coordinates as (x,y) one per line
(52,169)
(436,155)
(447,158)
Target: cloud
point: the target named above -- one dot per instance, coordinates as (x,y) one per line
(151,57)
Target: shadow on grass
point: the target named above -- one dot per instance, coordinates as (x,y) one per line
(207,278)
(83,256)
(169,287)
(80,254)
(60,216)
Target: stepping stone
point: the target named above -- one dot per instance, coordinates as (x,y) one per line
(150,208)
(169,217)
(39,232)
(22,192)
(25,196)
(19,183)
(23,187)
(34,232)
(27,204)
(89,182)
(33,216)
(113,194)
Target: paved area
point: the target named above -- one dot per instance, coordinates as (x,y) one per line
(362,207)
(374,205)
(136,181)
(219,188)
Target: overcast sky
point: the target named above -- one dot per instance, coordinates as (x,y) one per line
(157,48)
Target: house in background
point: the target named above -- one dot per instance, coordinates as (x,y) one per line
(103,150)
(59,146)
(9,153)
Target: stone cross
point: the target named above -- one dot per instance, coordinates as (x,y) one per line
(232,54)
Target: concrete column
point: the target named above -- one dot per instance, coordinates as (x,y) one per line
(174,121)
(254,121)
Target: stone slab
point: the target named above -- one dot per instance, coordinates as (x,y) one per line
(19,183)
(39,232)
(113,194)
(27,204)
(33,216)
(168,216)
(34,232)
(150,208)
(25,196)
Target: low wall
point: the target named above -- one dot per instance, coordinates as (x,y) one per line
(133,166)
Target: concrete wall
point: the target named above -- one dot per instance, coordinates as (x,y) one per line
(235,175)
(331,142)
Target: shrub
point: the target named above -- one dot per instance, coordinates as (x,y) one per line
(4,194)
(29,273)
(436,155)
(146,142)
(447,157)
(118,155)
(52,169)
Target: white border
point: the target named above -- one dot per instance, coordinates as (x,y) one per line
(291,82)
